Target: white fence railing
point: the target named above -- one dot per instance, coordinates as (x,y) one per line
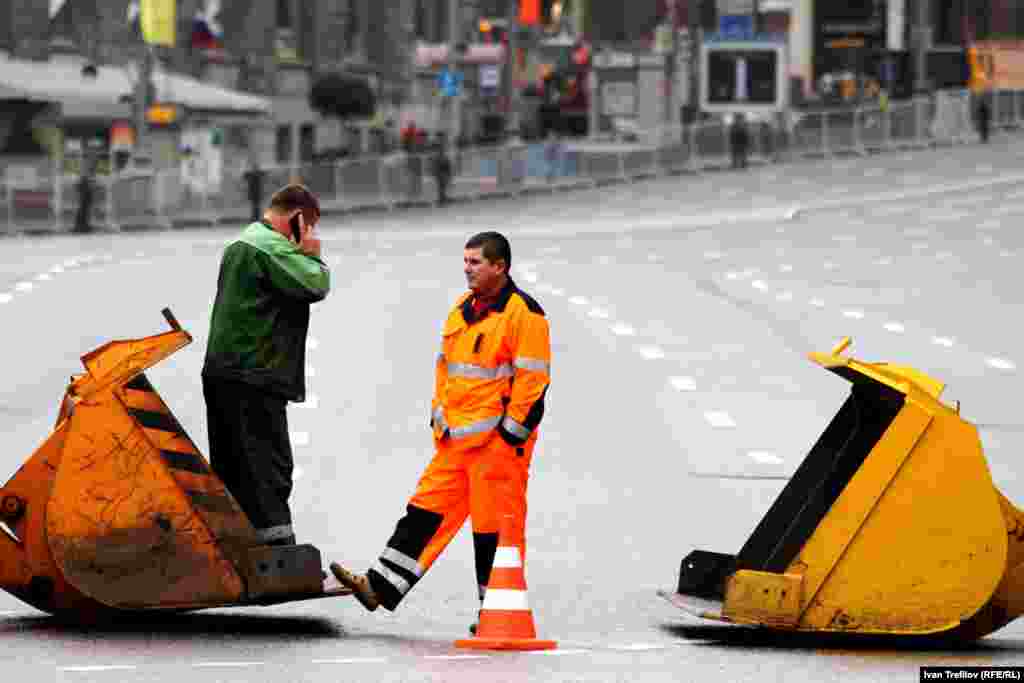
(162,199)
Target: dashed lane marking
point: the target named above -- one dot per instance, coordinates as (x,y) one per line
(99,668)
(854,315)
(43,277)
(1001,364)
(623,330)
(578,301)
(720,419)
(456,657)
(759,285)
(651,352)
(638,647)
(765,457)
(786,268)
(681,383)
(57,270)
(895,327)
(942,341)
(817,303)
(6,298)
(599,313)
(24,287)
(224,665)
(558,653)
(557,291)
(352,660)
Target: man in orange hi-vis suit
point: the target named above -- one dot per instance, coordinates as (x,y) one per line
(492,375)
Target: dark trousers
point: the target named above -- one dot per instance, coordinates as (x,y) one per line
(251,453)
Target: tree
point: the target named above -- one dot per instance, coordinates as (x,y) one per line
(343,97)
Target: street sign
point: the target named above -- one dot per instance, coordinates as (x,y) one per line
(490,76)
(449,82)
(736,26)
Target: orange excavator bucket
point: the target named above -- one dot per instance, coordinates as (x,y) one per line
(118,510)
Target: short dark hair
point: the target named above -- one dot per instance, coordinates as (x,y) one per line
(295,196)
(494,247)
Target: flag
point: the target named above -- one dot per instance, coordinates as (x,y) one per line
(157,18)
(529,12)
(207,32)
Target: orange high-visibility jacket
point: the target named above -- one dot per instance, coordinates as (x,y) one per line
(492,373)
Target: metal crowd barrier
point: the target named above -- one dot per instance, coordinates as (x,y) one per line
(138,200)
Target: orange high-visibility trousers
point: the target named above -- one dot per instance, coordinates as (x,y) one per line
(483,482)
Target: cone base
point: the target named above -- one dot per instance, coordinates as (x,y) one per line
(506,644)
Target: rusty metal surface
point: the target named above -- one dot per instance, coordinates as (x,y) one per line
(120,527)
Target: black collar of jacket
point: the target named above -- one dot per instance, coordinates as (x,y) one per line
(498,306)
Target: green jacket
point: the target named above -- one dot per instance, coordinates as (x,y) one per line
(261,314)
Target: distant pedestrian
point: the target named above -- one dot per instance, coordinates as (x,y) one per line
(442,168)
(86,195)
(254,179)
(552,155)
(739,141)
(984,119)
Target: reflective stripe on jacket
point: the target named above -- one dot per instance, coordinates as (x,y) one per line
(492,372)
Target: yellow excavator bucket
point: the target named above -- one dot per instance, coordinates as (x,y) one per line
(118,510)
(890,525)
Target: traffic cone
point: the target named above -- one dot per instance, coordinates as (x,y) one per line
(506,622)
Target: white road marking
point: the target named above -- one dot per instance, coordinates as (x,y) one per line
(785,296)
(578,301)
(829,265)
(732,275)
(651,352)
(213,665)
(6,298)
(855,315)
(623,330)
(759,284)
(312,344)
(557,291)
(299,438)
(98,668)
(786,268)
(456,657)
(721,419)
(712,255)
(895,327)
(817,303)
(530,277)
(683,383)
(1000,364)
(942,341)
(44,277)
(654,258)
(638,647)
(599,313)
(24,287)
(765,457)
(557,653)
(884,261)
(312,402)
(352,660)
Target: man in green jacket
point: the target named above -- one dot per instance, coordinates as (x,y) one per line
(256,356)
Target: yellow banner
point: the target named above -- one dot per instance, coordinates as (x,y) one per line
(158,21)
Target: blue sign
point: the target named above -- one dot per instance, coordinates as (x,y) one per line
(449,82)
(736,26)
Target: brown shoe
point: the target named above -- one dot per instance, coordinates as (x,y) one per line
(359,585)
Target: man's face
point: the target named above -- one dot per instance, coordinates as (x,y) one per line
(482,276)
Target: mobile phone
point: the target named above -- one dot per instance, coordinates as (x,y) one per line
(296,228)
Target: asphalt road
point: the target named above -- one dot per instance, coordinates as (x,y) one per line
(681,312)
